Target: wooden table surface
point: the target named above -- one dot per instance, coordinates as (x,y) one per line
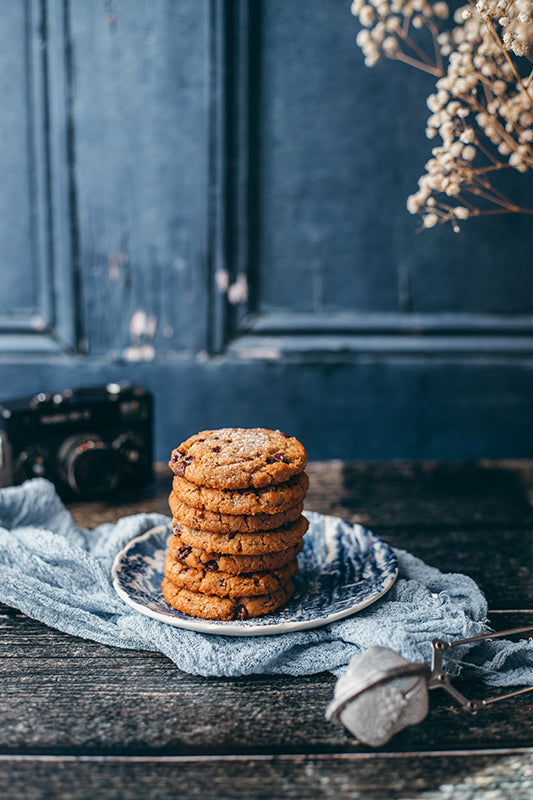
(83,720)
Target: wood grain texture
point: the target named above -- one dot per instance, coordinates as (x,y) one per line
(421,495)
(83,720)
(447,777)
(471,518)
(64,695)
(425,494)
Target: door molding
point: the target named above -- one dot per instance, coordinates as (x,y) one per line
(50,326)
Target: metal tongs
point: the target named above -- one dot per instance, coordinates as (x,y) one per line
(439,680)
(381,692)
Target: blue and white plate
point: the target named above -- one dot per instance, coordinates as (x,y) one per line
(343,568)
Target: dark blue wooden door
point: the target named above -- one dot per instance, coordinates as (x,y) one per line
(208,197)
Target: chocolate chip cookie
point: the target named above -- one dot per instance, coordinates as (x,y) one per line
(270,500)
(230,523)
(207,606)
(236,503)
(224,584)
(239,458)
(197,558)
(243,543)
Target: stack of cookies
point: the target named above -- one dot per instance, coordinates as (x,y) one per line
(236,502)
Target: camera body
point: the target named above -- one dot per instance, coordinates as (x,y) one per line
(88,441)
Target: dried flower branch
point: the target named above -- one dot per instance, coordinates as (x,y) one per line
(482,107)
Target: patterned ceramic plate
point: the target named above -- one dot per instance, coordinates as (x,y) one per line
(343,568)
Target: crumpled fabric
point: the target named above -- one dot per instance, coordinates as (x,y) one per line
(60,574)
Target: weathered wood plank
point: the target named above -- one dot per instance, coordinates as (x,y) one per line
(446,777)
(425,494)
(61,694)
(476,519)
(64,695)
(499,560)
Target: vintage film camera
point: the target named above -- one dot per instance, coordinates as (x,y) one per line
(88,441)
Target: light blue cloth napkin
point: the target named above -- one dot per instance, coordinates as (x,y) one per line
(60,574)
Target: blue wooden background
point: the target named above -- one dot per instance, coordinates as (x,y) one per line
(208,197)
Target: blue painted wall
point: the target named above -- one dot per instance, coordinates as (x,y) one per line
(208,197)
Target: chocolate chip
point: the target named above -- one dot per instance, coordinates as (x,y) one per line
(181,463)
(242,613)
(278,457)
(211,566)
(215,449)
(182,553)
(176,529)
(199,513)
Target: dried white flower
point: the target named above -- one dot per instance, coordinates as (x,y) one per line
(468,136)
(367,16)
(482,106)
(441,10)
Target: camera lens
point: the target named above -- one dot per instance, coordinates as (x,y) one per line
(88,465)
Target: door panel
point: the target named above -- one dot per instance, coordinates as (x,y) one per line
(141,114)
(208,197)
(327,180)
